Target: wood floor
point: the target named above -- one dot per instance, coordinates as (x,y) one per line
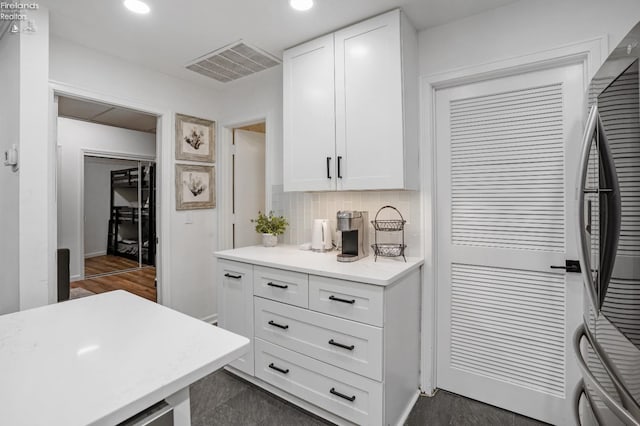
(140,282)
(105,264)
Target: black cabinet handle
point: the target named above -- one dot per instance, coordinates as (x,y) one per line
(337,299)
(341,395)
(339,167)
(237,277)
(283,371)
(275,324)
(270,284)
(570,266)
(340,345)
(328,167)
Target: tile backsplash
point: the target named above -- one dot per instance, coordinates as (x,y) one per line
(301,208)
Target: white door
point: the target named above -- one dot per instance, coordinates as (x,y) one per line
(309,117)
(507,153)
(248,185)
(369,109)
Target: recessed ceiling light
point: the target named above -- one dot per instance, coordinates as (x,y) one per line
(137,6)
(301,4)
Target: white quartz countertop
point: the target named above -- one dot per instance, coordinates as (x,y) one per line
(385,271)
(101,359)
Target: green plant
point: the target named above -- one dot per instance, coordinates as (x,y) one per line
(271,224)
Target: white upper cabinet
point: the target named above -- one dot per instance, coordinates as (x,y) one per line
(374,115)
(309,117)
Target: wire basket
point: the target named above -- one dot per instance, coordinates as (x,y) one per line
(388,225)
(388,249)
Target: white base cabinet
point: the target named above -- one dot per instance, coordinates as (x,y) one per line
(235,306)
(346,350)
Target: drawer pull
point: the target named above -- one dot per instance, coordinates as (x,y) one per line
(270,284)
(337,299)
(341,395)
(236,277)
(275,324)
(340,345)
(283,371)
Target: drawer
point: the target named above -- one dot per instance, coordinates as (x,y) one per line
(345,394)
(346,299)
(346,344)
(284,286)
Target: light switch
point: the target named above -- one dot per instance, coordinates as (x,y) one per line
(188,218)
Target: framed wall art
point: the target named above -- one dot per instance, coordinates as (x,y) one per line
(195,139)
(195,187)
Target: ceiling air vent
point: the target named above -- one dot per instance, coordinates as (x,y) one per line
(232,62)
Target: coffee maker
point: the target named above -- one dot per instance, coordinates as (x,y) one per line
(355,235)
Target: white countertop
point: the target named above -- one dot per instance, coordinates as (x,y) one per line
(385,271)
(101,359)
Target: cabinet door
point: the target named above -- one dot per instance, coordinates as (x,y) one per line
(369,105)
(309,117)
(235,306)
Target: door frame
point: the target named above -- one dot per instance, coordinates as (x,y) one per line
(589,53)
(164,174)
(110,155)
(225,173)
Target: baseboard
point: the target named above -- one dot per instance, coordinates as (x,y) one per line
(95,254)
(73,278)
(211,319)
(405,414)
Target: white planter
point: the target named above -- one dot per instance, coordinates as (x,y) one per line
(269,240)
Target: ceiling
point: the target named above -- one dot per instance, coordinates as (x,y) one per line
(175,33)
(106,114)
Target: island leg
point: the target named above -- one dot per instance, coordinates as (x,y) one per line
(181,407)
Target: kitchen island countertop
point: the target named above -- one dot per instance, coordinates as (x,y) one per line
(101,359)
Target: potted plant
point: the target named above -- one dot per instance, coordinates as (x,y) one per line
(270,227)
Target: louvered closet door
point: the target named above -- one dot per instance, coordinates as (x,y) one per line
(507,153)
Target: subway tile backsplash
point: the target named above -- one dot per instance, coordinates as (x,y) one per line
(301,208)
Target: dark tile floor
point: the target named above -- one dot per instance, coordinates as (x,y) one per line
(223,399)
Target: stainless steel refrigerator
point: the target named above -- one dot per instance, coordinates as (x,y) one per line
(607,345)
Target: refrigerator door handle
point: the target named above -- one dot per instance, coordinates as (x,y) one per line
(577,396)
(583,243)
(611,216)
(629,411)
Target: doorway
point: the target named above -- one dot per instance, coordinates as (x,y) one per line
(248,182)
(506,162)
(107,211)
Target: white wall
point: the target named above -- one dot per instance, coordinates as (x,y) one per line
(74,136)
(37,179)
(9,180)
(97,201)
(522,28)
(191,278)
(258,97)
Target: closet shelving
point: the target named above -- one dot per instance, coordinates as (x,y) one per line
(132,218)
